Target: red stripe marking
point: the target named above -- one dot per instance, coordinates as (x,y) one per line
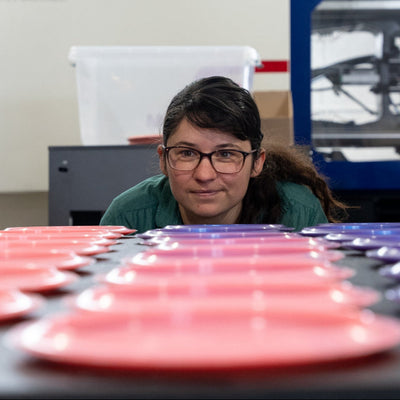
(273,66)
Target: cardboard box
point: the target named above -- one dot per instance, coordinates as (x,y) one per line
(276,112)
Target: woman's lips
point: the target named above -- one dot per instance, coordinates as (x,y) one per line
(205,193)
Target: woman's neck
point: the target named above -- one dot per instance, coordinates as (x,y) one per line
(223,219)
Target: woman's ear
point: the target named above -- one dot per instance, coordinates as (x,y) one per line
(163,163)
(258,164)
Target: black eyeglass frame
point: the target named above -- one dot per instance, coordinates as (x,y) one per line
(166,149)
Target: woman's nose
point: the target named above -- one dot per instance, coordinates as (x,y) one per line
(205,169)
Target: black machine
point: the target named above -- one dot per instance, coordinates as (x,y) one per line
(369,84)
(345,83)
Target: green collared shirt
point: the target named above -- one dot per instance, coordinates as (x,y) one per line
(150,204)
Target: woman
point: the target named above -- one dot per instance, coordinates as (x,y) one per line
(215,171)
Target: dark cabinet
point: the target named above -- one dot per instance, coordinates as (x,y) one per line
(83,180)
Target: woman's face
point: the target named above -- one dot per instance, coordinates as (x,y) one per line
(204,195)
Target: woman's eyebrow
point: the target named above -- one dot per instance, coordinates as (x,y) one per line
(196,146)
(187,144)
(218,146)
(228,146)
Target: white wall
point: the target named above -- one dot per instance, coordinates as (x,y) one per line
(38,100)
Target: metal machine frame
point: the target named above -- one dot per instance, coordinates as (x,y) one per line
(343,174)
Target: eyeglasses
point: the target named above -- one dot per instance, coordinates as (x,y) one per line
(225,161)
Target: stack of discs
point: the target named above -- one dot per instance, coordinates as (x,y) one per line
(377,240)
(214,297)
(38,259)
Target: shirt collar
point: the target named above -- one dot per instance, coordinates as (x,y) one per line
(167,212)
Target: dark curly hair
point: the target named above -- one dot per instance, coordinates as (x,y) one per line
(219,103)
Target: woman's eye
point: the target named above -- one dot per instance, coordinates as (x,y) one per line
(187,153)
(224,154)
